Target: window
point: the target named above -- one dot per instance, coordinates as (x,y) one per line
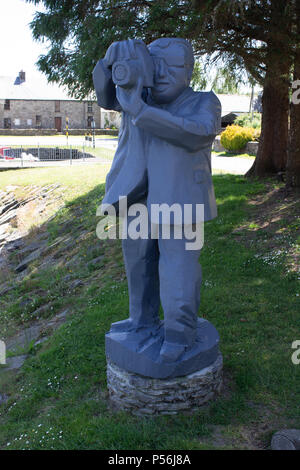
(7,105)
(57,106)
(90,107)
(38,120)
(29,122)
(17,122)
(90,119)
(7,123)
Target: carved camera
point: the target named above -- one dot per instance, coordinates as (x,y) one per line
(125,72)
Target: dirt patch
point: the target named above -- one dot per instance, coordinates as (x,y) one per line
(273,226)
(255,435)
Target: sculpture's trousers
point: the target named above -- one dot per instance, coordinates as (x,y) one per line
(162,270)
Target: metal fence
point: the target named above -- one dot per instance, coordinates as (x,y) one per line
(37,156)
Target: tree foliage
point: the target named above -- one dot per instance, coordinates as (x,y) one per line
(80,31)
(257,35)
(199,79)
(226,81)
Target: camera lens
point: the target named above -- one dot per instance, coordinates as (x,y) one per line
(120,72)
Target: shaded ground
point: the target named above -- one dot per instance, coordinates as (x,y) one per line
(273,228)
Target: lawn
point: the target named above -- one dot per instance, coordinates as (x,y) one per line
(250,293)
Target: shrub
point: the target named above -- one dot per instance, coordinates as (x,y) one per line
(245,120)
(256,134)
(235,138)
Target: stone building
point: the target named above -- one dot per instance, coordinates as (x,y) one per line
(36,104)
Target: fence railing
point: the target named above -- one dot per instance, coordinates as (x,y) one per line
(20,156)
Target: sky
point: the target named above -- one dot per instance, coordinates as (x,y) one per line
(18,50)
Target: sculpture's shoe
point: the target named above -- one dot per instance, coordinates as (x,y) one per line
(128,325)
(124,325)
(171,352)
(139,351)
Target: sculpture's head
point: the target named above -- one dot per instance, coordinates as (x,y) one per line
(173,63)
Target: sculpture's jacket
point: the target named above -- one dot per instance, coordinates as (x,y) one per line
(164,153)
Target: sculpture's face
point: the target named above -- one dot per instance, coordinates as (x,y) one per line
(171,74)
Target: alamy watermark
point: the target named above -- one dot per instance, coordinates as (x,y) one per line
(296,94)
(296,354)
(2,352)
(164,221)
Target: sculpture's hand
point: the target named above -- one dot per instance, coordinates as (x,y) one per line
(119,50)
(130,99)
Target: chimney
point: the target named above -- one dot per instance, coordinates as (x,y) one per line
(22,76)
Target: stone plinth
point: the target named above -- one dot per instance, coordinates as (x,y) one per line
(146,396)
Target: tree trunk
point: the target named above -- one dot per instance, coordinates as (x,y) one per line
(293,163)
(272,151)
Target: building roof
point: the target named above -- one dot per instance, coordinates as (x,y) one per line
(38,88)
(234,103)
(33,88)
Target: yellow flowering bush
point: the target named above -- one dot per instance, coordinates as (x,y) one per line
(234,138)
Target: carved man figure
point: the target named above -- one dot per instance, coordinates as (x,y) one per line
(163,157)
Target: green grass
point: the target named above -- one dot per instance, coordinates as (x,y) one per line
(59,398)
(75,179)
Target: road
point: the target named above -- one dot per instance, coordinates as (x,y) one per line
(43,141)
(234,165)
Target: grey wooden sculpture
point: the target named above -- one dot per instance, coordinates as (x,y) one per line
(163,156)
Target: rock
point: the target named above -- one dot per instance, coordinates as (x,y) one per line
(286,439)
(23,339)
(96,261)
(58,319)
(3,237)
(46,262)
(4,228)
(29,259)
(15,362)
(31,334)
(63,249)
(217,146)
(6,289)
(15,235)
(73,261)
(43,235)
(64,227)
(41,310)
(3,399)
(41,341)
(8,216)
(36,245)
(13,204)
(57,242)
(14,244)
(25,302)
(147,396)
(74,284)
(252,148)
(11,187)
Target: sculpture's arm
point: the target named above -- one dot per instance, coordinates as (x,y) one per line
(105,87)
(193,132)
